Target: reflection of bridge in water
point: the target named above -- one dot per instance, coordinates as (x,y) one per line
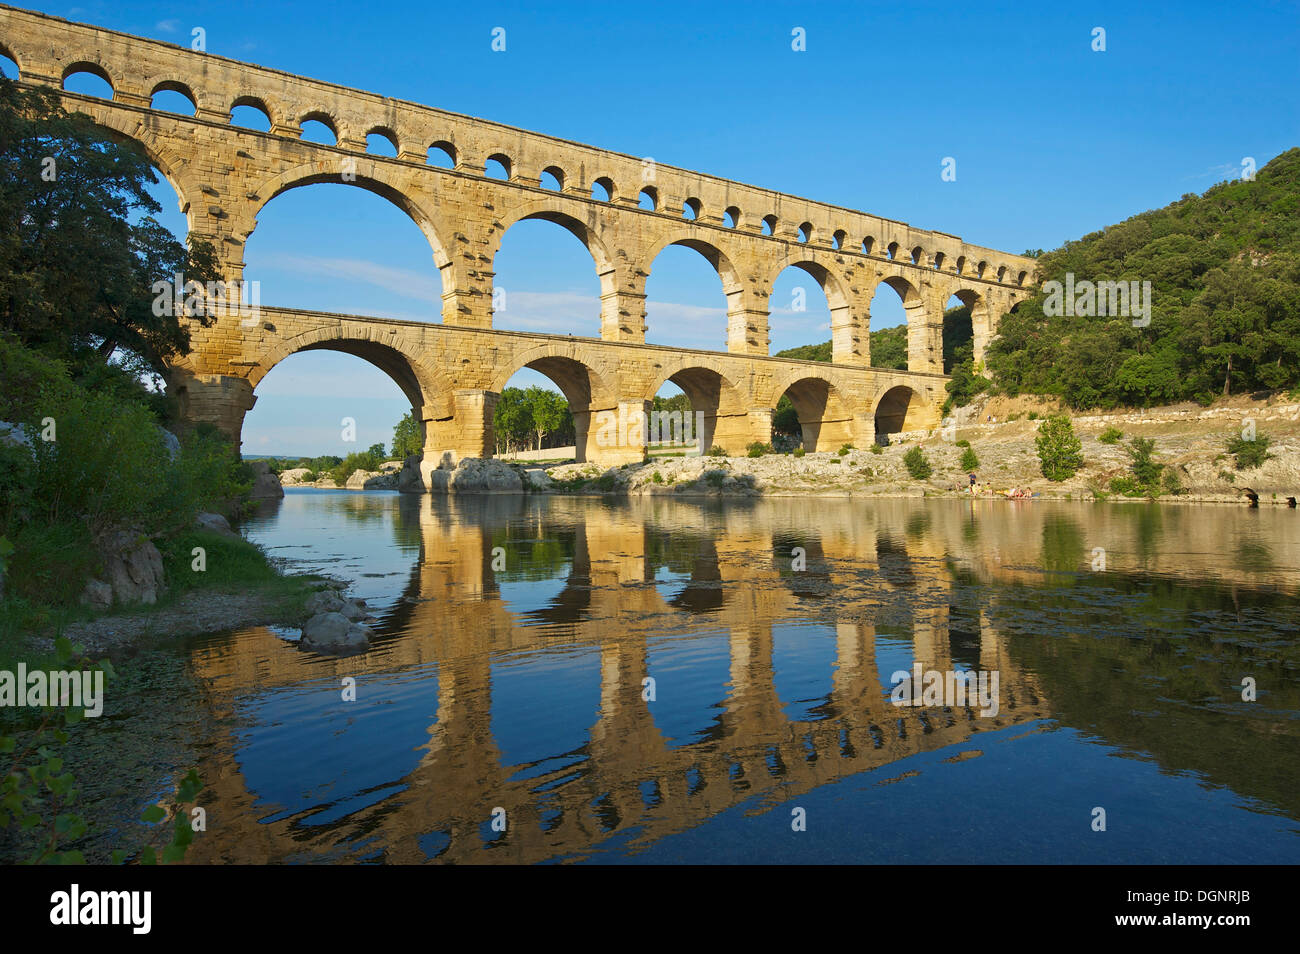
(629,778)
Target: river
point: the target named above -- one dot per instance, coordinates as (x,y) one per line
(570,679)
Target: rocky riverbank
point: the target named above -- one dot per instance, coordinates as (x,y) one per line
(1001,432)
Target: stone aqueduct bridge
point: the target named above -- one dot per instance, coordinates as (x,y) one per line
(453,372)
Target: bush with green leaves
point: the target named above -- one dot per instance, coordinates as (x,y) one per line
(758,449)
(844,449)
(877,449)
(968,459)
(1111,435)
(916,463)
(798,452)
(717,451)
(1060,452)
(1249,454)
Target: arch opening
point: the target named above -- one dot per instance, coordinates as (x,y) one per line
(896,413)
(805,306)
(250,113)
(602,189)
(442,155)
(552,179)
(173,97)
(695,409)
(8,65)
(381,141)
(892,311)
(326,222)
(546,403)
(811,414)
(88,79)
(497,166)
(319,402)
(320,130)
(545,286)
(687,295)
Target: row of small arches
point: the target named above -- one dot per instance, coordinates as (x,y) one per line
(318,127)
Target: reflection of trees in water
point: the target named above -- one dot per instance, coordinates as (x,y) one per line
(677,552)
(1255,557)
(1156,666)
(534,553)
(1063,544)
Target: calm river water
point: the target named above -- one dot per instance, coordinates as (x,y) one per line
(665,681)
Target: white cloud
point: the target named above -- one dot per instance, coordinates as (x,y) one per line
(168,26)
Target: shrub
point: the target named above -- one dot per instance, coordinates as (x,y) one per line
(717,451)
(715,478)
(758,449)
(606,482)
(1146,472)
(1249,454)
(1033,415)
(877,449)
(916,464)
(963,443)
(968,459)
(1111,435)
(1059,449)
(657,477)
(845,449)
(798,452)
(1170,482)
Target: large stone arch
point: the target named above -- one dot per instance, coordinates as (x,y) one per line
(725,411)
(901,408)
(422,386)
(559,211)
(739,309)
(375,177)
(981,319)
(847,329)
(586,390)
(824,410)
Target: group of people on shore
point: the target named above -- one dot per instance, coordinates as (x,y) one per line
(977,489)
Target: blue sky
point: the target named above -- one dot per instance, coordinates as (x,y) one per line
(1052,140)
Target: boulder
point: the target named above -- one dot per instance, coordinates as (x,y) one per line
(170,441)
(293,476)
(476,475)
(217,524)
(326,601)
(334,633)
(266,486)
(353,610)
(97,595)
(134,567)
(409,480)
(538,479)
(371,480)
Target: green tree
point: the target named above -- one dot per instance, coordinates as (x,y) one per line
(1060,452)
(407,437)
(80,251)
(968,460)
(916,463)
(548,412)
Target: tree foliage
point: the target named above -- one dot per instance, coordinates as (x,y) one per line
(1060,452)
(80,250)
(1225,306)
